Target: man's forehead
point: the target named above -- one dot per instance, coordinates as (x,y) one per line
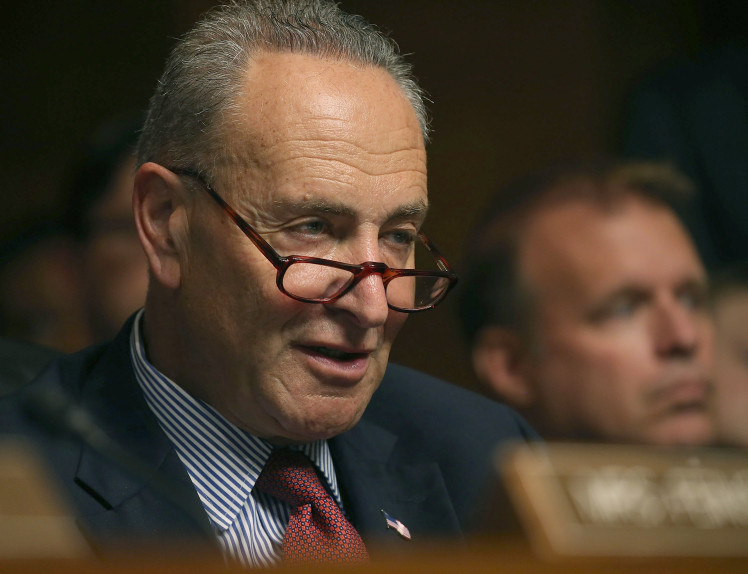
(598,250)
(289,93)
(340,138)
(279,70)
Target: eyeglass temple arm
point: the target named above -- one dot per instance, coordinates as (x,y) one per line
(436,253)
(264,247)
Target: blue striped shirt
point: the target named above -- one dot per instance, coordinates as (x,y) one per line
(223,462)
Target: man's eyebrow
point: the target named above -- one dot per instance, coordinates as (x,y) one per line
(625,290)
(316,206)
(415,209)
(699,281)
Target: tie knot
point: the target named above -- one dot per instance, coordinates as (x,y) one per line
(290,476)
(317,530)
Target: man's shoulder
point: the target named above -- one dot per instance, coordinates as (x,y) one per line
(407,385)
(44,375)
(410,397)
(59,375)
(431,421)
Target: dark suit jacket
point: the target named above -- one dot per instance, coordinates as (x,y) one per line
(421,452)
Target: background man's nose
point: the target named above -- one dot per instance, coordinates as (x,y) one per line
(676,330)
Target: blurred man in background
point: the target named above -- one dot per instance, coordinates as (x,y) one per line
(112,267)
(72,278)
(585,304)
(40,297)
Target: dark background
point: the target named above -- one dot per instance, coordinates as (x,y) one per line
(514,83)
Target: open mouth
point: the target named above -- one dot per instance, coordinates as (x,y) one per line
(337,354)
(687,407)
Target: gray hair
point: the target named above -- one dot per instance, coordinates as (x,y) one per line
(197,93)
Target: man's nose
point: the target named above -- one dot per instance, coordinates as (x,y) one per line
(366,302)
(677,329)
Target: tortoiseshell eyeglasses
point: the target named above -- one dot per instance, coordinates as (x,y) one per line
(317,280)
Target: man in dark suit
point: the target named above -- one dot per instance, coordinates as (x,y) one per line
(279,199)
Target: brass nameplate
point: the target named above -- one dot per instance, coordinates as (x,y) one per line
(616,500)
(35,520)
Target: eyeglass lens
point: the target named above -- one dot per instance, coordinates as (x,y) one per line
(318,282)
(315,281)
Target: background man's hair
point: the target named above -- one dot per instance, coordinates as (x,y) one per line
(491,292)
(198,92)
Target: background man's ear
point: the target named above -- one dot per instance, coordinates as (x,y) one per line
(161,219)
(499,360)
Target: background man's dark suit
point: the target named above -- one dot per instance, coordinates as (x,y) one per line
(413,454)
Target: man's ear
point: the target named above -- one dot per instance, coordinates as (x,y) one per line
(160,216)
(499,359)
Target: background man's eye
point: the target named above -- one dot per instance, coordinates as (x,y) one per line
(622,308)
(619,309)
(691,299)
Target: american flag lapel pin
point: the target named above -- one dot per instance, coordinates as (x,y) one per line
(396,525)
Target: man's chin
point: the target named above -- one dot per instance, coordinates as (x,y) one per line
(318,425)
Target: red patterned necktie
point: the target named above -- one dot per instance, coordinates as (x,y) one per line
(317,529)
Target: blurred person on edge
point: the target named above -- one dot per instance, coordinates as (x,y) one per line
(112,267)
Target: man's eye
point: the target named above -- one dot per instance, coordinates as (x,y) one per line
(692,299)
(311,227)
(623,308)
(401,237)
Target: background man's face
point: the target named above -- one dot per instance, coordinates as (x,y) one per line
(623,342)
(329,162)
(114,268)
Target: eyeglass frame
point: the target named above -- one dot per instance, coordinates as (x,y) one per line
(360,271)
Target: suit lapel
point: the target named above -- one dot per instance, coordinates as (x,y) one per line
(375,476)
(114,398)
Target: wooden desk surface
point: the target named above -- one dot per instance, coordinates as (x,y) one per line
(507,556)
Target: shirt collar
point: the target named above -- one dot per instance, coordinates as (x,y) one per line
(223,460)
